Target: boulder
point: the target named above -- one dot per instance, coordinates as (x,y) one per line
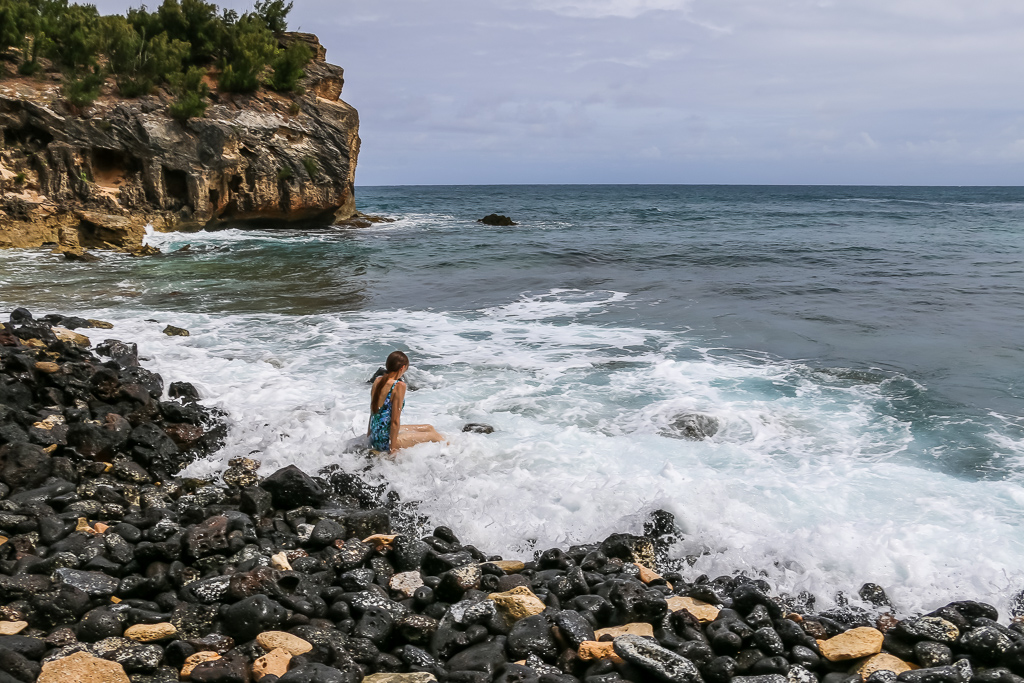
(292,488)
(692,426)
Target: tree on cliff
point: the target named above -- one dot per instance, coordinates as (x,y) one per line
(250,48)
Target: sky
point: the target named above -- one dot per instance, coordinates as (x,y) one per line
(864,92)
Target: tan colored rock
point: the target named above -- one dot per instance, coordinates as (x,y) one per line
(704,612)
(380,540)
(415,677)
(195,660)
(648,575)
(509,566)
(273,640)
(47,367)
(882,662)
(34,343)
(406,583)
(280,562)
(150,633)
(3,539)
(172,331)
(101,324)
(636,629)
(274,663)
(82,667)
(70,336)
(100,527)
(83,526)
(518,603)
(49,422)
(591,650)
(853,644)
(12,628)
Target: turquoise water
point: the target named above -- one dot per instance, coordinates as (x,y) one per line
(862,348)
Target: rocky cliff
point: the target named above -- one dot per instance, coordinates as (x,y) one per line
(97,177)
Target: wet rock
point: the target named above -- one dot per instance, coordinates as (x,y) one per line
(129,654)
(98,624)
(455,582)
(241,472)
(416,628)
(172,331)
(290,488)
(532,635)
(574,628)
(415,677)
(247,618)
(693,427)
(478,428)
(486,657)
(24,466)
(406,583)
(928,628)
(93,584)
(637,629)
(930,654)
(231,668)
(82,666)
(656,660)
(496,220)
(882,662)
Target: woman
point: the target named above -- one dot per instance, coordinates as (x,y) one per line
(387,398)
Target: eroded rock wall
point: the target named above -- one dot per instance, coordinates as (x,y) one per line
(98,177)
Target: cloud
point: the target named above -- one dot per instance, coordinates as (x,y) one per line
(599,9)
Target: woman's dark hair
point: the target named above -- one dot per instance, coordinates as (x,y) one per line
(396,360)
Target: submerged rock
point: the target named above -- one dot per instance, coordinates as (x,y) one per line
(692,426)
(496,219)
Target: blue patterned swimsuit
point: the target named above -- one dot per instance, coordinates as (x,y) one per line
(380,424)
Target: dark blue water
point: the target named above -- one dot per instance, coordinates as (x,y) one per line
(863,348)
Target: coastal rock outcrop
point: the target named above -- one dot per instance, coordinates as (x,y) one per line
(96,178)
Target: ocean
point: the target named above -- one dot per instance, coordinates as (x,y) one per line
(861,347)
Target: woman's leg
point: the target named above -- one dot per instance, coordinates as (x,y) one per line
(410,435)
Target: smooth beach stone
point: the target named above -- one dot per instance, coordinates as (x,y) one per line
(195,660)
(651,657)
(635,629)
(574,628)
(882,662)
(853,644)
(274,663)
(415,677)
(928,628)
(148,633)
(82,666)
(930,654)
(12,628)
(518,603)
(406,583)
(274,640)
(987,643)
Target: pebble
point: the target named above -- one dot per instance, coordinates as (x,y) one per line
(82,667)
(636,629)
(882,662)
(853,644)
(280,640)
(149,633)
(518,603)
(192,661)
(12,628)
(591,649)
(274,663)
(704,612)
(406,583)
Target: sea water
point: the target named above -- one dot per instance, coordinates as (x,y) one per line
(862,349)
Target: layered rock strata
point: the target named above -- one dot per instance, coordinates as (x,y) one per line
(96,178)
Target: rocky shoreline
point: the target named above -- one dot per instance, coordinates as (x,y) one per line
(115,568)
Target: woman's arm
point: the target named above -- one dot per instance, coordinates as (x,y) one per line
(397,403)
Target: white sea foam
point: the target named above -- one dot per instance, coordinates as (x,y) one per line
(804,480)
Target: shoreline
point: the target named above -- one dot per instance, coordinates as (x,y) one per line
(160,574)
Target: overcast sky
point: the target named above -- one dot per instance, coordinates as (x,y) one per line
(678,91)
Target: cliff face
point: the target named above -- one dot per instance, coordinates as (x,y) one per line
(98,177)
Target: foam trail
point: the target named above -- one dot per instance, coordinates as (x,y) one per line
(808,479)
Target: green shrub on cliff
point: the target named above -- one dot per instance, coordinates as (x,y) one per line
(13,22)
(288,66)
(251,47)
(139,64)
(190,94)
(274,14)
(81,89)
